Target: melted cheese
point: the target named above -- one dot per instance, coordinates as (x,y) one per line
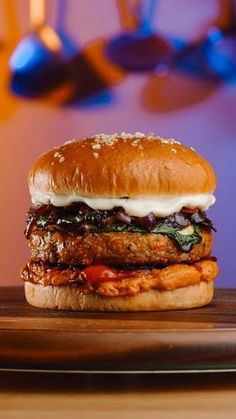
(161,206)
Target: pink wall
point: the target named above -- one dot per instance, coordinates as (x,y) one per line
(201,115)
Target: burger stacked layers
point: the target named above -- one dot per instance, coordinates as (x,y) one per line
(118,223)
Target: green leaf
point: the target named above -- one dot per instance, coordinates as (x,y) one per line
(185,241)
(122,227)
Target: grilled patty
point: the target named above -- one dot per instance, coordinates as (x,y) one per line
(122,248)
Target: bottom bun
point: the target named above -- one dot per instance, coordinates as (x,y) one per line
(69,298)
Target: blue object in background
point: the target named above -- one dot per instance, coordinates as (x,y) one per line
(34,68)
(190,59)
(213,57)
(40,61)
(219,52)
(29,55)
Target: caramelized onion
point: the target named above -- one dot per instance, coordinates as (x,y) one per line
(79,217)
(124,218)
(149,221)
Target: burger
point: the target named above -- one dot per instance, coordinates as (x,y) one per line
(118,223)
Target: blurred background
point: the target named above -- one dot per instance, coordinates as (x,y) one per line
(74,68)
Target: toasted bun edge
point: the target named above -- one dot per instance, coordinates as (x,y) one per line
(69,298)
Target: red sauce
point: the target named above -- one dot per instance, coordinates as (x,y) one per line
(99,273)
(102,273)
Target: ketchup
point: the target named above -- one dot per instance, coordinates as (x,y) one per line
(99,273)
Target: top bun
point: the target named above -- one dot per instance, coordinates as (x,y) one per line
(122,165)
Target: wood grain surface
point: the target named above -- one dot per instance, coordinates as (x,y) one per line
(89,396)
(198,339)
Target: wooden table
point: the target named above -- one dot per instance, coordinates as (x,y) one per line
(194,396)
(199,339)
(86,395)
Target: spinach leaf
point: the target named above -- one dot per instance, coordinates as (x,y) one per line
(185,241)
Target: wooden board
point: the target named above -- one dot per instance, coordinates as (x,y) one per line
(199,339)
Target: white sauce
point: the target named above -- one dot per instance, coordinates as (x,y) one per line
(161,206)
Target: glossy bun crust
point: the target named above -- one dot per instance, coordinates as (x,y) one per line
(122,165)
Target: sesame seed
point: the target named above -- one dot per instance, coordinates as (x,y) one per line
(164,141)
(110,140)
(96,146)
(103,139)
(70,141)
(139,135)
(174,150)
(192,148)
(59,156)
(96,155)
(169,141)
(176,142)
(126,136)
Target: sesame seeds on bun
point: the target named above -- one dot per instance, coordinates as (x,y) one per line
(122,165)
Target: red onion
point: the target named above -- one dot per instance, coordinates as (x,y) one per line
(180,220)
(197,217)
(124,218)
(149,221)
